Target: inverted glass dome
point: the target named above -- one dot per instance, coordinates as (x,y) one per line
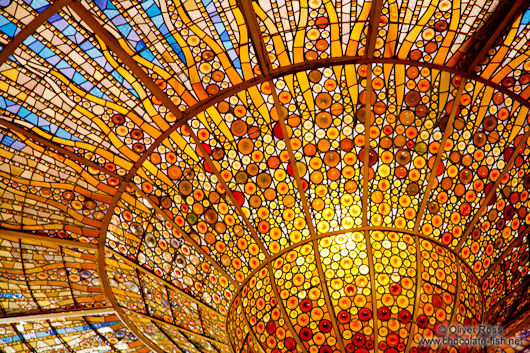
(246,176)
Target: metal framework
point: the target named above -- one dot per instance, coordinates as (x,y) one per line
(268,75)
(31,27)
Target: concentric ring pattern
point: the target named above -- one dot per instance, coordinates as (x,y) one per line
(246,176)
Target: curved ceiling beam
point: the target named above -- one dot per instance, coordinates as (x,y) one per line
(30,28)
(113,44)
(330,62)
(146,80)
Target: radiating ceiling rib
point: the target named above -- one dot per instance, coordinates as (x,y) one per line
(265,65)
(505,298)
(113,45)
(16,235)
(22,338)
(82,317)
(29,29)
(327,298)
(262,56)
(144,78)
(292,160)
(282,309)
(60,337)
(148,310)
(56,315)
(417,295)
(375,13)
(440,153)
(452,320)
(447,133)
(252,24)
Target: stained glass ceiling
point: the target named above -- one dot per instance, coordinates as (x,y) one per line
(252,176)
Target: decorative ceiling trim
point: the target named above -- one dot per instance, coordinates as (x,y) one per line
(56,315)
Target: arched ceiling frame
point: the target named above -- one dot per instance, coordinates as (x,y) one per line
(268,75)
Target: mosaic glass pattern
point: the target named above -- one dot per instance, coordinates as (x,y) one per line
(252,176)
